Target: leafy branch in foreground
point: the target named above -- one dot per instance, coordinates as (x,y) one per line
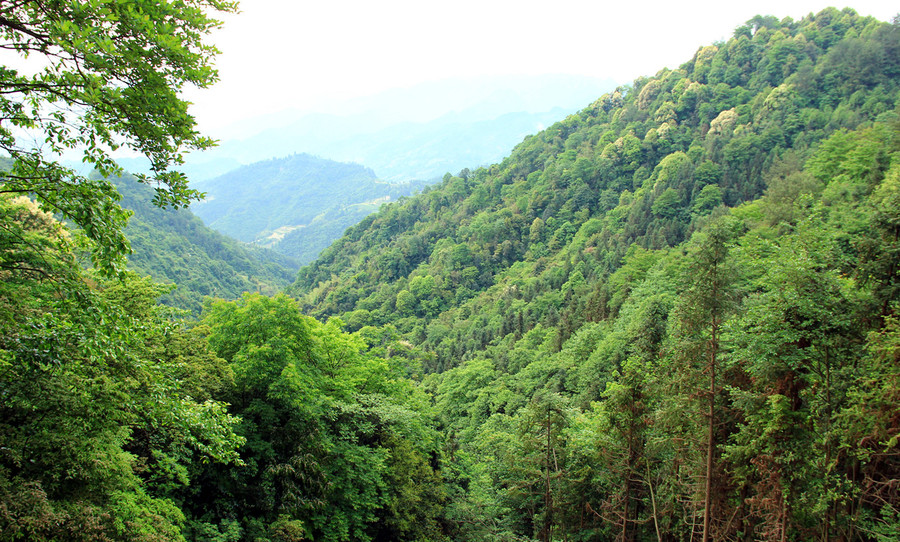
(94,77)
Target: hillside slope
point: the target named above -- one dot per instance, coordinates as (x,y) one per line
(296,205)
(174,246)
(645,165)
(673,315)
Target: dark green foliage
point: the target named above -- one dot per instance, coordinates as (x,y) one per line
(757,357)
(336,438)
(106,400)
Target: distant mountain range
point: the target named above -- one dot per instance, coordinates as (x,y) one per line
(399,152)
(264,185)
(420,132)
(296,205)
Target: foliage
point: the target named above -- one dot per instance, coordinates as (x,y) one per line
(337,437)
(175,247)
(105,407)
(696,271)
(95,77)
(670,316)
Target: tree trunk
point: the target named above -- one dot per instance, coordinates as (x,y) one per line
(548,499)
(711,443)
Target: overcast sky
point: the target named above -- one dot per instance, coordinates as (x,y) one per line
(301,54)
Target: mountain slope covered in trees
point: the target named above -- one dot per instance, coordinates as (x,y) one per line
(296,205)
(644,165)
(175,247)
(671,314)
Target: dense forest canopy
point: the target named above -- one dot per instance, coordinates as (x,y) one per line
(673,287)
(671,316)
(645,165)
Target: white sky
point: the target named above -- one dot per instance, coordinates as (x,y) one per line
(283,54)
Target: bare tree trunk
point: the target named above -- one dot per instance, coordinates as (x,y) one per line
(653,504)
(548,499)
(784,518)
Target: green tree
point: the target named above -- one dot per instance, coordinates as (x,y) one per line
(336,436)
(801,339)
(542,433)
(865,429)
(881,254)
(668,204)
(619,433)
(705,304)
(97,434)
(95,77)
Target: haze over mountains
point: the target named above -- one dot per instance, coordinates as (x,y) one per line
(296,205)
(420,132)
(264,185)
(424,131)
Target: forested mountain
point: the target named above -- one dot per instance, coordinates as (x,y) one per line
(175,247)
(295,205)
(404,151)
(671,314)
(645,165)
(674,315)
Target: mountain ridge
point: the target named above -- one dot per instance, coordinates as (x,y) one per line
(632,158)
(295,205)
(431,110)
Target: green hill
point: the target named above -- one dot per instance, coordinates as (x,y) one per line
(174,246)
(671,315)
(295,205)
(645,165)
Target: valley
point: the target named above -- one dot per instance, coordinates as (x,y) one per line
(669,314)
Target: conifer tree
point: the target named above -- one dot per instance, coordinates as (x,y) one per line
(706,302)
